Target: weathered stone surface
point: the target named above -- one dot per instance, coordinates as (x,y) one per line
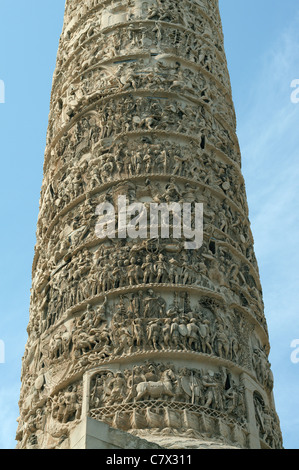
(143,334)
(92,434)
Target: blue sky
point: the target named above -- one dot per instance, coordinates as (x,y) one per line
(262,46)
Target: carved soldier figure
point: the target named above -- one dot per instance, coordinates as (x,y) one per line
(210,385)
(150,302)
(206,337)
(72,405)
(148,270)
(166,332)
(100,315)
(118,387)
(175,333)
(134,378)
(153,333)
(193,335)
(222,341)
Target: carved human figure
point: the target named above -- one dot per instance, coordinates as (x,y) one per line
(118,387)
(193,335)
(72,405)
(209,383)
(153,334)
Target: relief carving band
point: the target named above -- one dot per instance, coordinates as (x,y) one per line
(146,308)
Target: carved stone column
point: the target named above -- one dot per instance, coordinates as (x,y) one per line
(143,334)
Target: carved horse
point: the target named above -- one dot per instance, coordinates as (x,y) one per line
(161,389)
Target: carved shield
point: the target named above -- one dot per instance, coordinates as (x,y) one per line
(136,120)
(191,332)
(185,382)
(123,79)
(183,330)
(189,383)
(203,331)
(39,382)
(226,186)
